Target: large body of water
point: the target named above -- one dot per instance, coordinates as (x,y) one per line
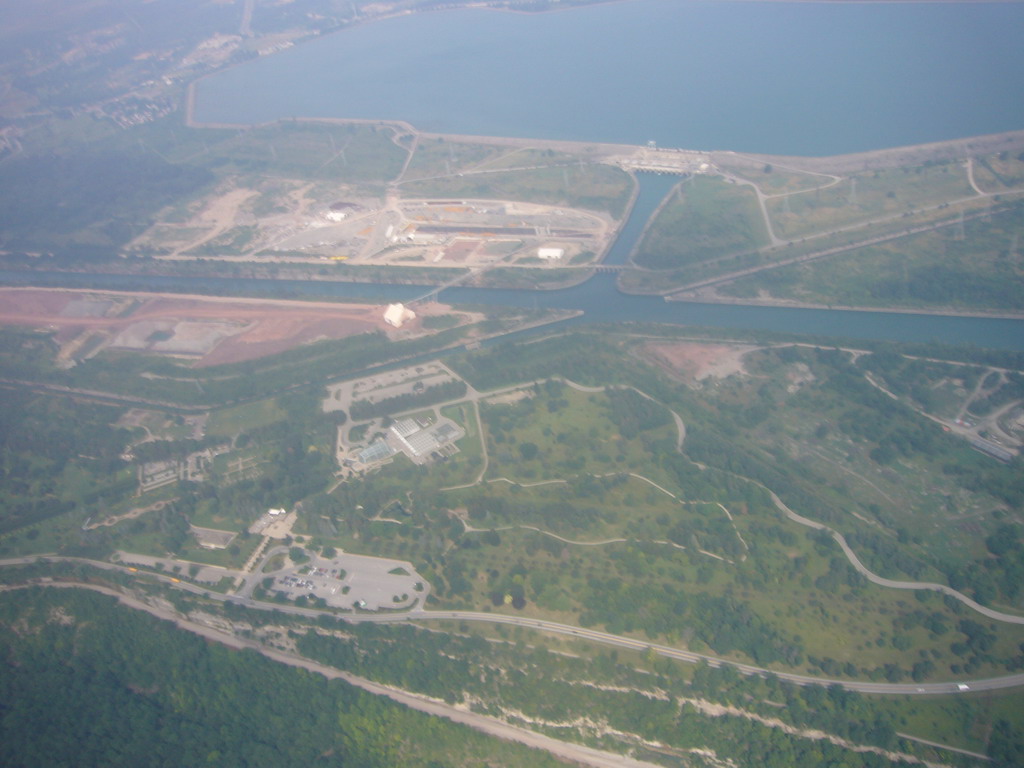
(804,78)
(779,78)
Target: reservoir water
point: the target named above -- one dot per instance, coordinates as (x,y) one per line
(804,78)
(780,78)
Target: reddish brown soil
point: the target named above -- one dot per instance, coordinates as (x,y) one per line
(461,250)
(268,327)
(272,335)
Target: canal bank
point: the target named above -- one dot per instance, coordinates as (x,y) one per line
(599,301)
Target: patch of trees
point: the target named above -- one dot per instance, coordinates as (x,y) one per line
(663,610)
(1001,574)
(97,684)
(545,685)
(44,200)
(1006,745)
(579,357)
(885,555)
(916,378)
(710,532)
(633,413)
(1012,389)
(46,441)
(158,450)
(439,393)
(559,516)
(979,473)
(948,285)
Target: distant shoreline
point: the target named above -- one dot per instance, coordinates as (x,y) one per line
(911,154)
(854,162)
(885,157)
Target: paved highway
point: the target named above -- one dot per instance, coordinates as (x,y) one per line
(581,633)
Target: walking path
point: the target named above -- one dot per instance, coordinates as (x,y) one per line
(881,581)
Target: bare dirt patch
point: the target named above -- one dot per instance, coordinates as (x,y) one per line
(213,329)
(216,330)
(694,362)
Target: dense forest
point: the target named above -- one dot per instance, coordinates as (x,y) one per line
(89,683)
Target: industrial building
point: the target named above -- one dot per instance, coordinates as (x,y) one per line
(991,449)
(378,450)
(419,442)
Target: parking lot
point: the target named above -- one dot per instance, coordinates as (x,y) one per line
(355,582)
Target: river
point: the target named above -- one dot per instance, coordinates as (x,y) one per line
(772,77)
(597,298)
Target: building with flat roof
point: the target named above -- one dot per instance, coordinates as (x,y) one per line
(378,450)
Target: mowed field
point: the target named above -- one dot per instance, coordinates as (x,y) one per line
(212,330)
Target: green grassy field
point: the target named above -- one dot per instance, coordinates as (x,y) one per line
(999,173)
(228,422)
(581,518)
(932,270)
(443,157)
(309,150)
(868,196)
(708,219)
(595,187)
(776,180)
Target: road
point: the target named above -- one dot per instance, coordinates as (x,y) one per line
(419,614)
(814,255)
(575,753)
(881,581)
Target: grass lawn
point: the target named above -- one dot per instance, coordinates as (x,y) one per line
(777,180)
(228,422)
(931,270)
(708,219)
(595,187)
(866,196)
(442,157)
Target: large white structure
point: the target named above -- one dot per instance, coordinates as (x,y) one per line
(396,314)
(551,254)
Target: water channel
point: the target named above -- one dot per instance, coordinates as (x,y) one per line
(598,298)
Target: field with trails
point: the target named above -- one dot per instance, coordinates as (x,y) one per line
(935,235)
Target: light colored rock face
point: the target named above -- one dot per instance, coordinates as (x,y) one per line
(396,314)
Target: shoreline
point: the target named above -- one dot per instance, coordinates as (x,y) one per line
(791,304)
(364,301)
(884,157)
(853,162)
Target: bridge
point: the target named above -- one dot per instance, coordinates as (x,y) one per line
(431,295)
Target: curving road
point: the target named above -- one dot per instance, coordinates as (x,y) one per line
(578,754)
(606,638)
(881,581)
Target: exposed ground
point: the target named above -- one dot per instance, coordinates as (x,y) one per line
(212,330)
(694,362)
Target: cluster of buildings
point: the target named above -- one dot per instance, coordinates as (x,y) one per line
(419,441)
